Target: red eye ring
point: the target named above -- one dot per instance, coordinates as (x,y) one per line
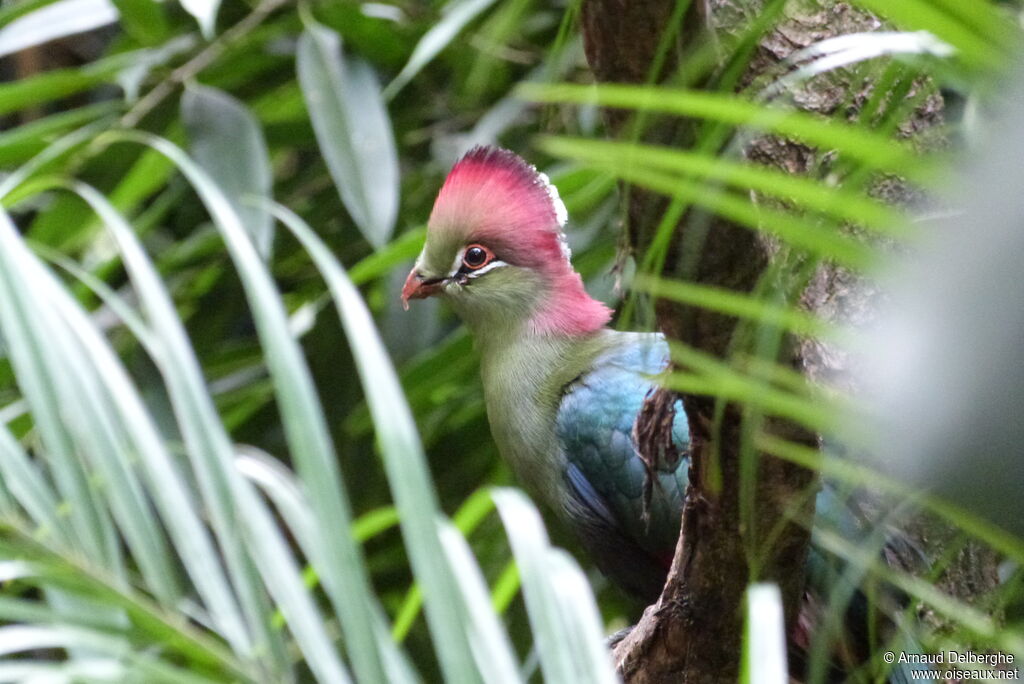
(476,257)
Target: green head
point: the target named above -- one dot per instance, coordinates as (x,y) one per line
(495,249)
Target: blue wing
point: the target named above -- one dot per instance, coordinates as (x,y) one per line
(606,480)
(604,471)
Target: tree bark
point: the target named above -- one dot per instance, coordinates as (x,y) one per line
(692,633)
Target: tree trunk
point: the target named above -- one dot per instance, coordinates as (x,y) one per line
(692,633)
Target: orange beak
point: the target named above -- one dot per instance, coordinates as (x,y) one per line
(418,287)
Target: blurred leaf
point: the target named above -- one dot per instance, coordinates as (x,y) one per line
(340,559)
(132,77)
(804,233)
(11,11)
(858,142)
(764,639)
(175,503)
(808,193)
(29,139)
(353,130)
(506,587)
(40,379)
(405,463)
(228,143)
(466,519)
(708,375)
(406,246)
(494,655)
(294,507)
(54,152)
(969,617)
(150,172)
(28,486)
(734,304)
(456,14)
(22,638)
(564,617)
(205,12)
(857,475)
(845,50)
(382,33)
(52,85)
(945,364)
(984,49)
(57,20)
(50,569)
(374,522)
(144,20)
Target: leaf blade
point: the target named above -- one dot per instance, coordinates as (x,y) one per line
(228,143)
(353,130)
(58,20)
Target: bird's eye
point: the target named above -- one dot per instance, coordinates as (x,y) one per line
(476,256)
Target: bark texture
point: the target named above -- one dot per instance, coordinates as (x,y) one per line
(692,633)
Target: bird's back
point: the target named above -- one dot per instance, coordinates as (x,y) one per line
(631,541)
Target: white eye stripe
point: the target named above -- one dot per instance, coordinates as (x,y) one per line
(489,267)
(457,264)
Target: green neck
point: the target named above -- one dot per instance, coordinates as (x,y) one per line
(523,377)
(499,308)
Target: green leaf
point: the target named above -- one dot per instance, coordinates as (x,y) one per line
(958,611)
(457,14)
(858,475)
(353,130)
(467,518)
(565,621)
(171,493)
(849,49)
(873,150)
(98,432)
(808,193)
(815,237)
(143,20)
(764,638)
(53,153)
(133,76)
(400,250)
(338,559)
(25,326)
(54,569)
(21,143)
(282,488)
(21,638)
(735,304)
(712,377)
(494,655)
(11,11)
(205,13)
(57,20)
(404,461)
(28,486)
(982,37)
(228,143)
(52,85)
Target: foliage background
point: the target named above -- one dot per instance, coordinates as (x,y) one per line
(350,114)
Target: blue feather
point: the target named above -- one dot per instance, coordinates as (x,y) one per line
(606,478)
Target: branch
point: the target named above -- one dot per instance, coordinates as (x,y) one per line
(693,632)
(203,59)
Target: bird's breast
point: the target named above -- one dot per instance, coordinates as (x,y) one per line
(522,389)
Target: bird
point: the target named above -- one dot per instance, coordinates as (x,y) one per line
(562,389)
